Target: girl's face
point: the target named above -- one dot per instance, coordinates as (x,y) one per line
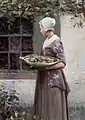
(42,31)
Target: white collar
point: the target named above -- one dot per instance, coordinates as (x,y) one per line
(50,40)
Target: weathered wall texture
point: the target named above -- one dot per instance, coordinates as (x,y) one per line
(74,44)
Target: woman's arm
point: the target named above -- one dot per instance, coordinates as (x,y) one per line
(60,65)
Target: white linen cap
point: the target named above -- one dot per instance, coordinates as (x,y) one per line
(48,23)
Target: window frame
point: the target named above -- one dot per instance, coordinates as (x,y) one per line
(8,52)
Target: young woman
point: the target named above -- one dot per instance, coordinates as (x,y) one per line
(51,87)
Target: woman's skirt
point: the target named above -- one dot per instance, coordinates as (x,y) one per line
(50,103)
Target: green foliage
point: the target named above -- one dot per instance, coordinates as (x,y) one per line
(25,8)
(38,7)
(10,108)
(9,103)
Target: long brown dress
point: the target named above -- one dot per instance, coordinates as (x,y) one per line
(51,88)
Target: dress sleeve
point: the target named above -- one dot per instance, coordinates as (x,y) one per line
(58,50)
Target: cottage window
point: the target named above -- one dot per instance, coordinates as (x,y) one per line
(15,41)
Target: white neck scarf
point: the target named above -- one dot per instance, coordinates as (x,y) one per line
(47,42)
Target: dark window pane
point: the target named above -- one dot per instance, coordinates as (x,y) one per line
(3,26)
(27,26)
(14,61)
(15,44)
(27,44)
(14,26)
(3,61)
(3,44)
(25,66)
(11,47)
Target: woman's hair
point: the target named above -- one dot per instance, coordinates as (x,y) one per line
(51,30)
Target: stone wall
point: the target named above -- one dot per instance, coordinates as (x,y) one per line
(74,44)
